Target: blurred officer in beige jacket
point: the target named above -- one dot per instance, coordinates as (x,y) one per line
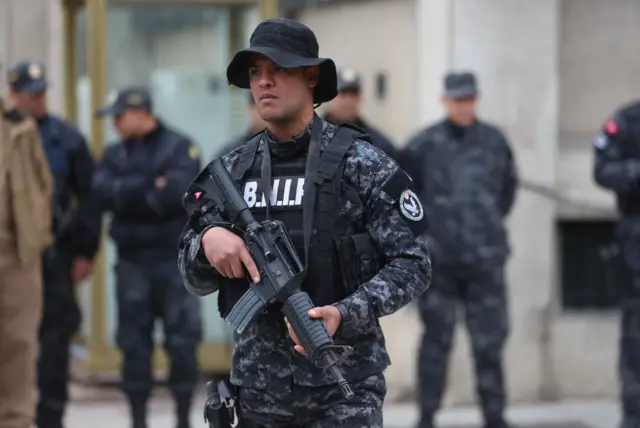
(26,188)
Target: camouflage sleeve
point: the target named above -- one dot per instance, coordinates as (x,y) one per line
(199,277)
(612,169)
(395,219)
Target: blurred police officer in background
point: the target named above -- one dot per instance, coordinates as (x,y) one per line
(256,125)
(141,180)
(345,108)
(76,235)
(617,168)
(26,189)
(465,174)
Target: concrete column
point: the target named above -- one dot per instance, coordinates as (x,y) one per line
(434,42)
(512,45)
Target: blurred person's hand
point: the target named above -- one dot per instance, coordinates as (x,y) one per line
(227,253)
(80,269)
(161,182)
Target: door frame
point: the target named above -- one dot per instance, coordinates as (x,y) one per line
(102,359)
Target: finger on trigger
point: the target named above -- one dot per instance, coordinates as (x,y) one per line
(250,265)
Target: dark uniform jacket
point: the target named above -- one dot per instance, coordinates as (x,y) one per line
(147,220)
(467,180)
(72,166)
(617,168)
(377,138)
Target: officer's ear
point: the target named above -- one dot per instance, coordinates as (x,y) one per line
(312,75)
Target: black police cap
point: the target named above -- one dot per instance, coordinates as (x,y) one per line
(349,80)
(460,85)
(28,76)
(126,99)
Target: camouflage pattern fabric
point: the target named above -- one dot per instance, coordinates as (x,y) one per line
(314,407)
(485,301)
(617,168)
(468,185)
(146,293)
(264,357)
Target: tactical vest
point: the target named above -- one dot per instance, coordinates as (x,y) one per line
(340,257)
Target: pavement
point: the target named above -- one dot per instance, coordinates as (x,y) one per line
(111,412)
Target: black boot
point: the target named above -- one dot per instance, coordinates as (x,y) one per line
(496,423)
(138,408)
(183,406)
(48,418)
(426,422)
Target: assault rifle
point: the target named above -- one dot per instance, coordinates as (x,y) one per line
(281,271)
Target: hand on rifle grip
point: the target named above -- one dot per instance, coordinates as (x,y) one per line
(228,254)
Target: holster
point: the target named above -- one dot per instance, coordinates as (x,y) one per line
(220,409)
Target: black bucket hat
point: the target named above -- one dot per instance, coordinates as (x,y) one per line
(289,44)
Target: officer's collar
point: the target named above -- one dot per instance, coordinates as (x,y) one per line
(293,147)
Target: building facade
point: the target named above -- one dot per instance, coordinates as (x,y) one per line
(547,78)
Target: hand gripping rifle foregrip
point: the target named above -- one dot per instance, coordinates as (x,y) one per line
(315,338)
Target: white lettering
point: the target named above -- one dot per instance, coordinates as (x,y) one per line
(274,192)
(299,191)
(250,189)
(287,190)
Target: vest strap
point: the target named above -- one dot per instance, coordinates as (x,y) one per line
(335,153)
(247,156)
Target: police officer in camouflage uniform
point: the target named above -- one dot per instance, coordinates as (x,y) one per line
(617,168)
(141,180)
(76,234)
(364,210)
(464,172)
(345,108)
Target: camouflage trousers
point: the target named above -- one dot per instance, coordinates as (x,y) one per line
(629,366)
(60,320)
(483,295)
(314,407)
(147,293)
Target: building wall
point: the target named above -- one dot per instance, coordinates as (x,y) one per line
(353,35)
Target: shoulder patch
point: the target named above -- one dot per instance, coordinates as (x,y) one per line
(194,153)
(611,127)
(410,206)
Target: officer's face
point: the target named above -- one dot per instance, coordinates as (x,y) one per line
(128,123)
(461,111)
(281,94)
(34,104)
(345,106)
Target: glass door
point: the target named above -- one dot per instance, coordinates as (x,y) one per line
(180,51)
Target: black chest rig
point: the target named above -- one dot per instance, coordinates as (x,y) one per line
(341,255)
